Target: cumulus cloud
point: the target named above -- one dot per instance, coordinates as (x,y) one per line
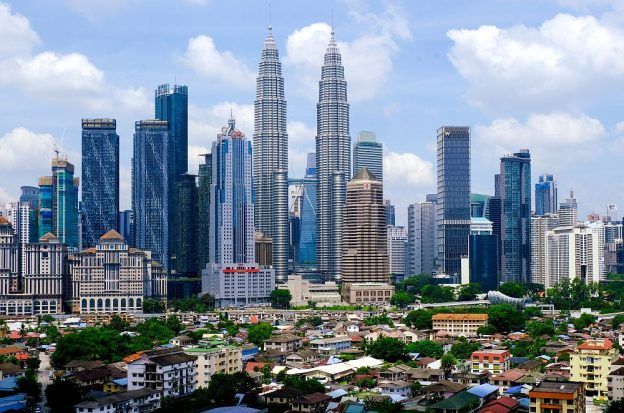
(368,59)
(555,140)
(202,56)
(560,63)
(16,35)
(407,169)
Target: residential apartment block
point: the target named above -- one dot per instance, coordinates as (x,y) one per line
(459,324)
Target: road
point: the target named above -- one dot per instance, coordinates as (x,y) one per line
(44,377)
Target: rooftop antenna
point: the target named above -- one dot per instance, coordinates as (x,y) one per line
(332,22)
(270,19)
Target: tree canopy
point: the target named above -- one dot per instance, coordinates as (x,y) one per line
(512,289)
(258,333)
(436,294)
(426,348)
(420,319)
(387,348)
(468,292)
(402,299)
(505,318)
(280,298)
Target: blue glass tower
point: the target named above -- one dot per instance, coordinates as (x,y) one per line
(64,202)
(453,207)
(150,188)
(515,193)
(546,195)
(307,229)
(100,179)
(484,260)
(368,153)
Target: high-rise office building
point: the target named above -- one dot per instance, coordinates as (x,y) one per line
(30,195)
(479,204)
(453,207)
(546,195)
(65,202)
(45,216)
(483,255)
(306,256)
(494,211)
(171,105)
(233,277)
(187,238)
(421,238)
(540,225)
(9,258)
(150,189)
(125,226)
(100,179)
(397,248)
(515,192)
(18,214)
(333,162)
(368,153)
(365,256)
(203,211)
(270,153)
(568,211)
(390,212)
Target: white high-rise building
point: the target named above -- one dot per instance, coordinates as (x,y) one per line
(540,225)
(397,247)
(333,162)
(270,156)
(17,214)
(568,211)
(233,277)
(421,238)
(573,252)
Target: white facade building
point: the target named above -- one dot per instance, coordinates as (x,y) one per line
(111,277)
(170,371)
(303,291)
(135,401)
(212,360)
(540,225)
(397,247)
(421,237)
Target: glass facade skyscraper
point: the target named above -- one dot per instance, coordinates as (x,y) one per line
(45,206)
(515,192)
(150,188)
(453,204)
(187,238)
(203,211)
(30,195)
(270,163)
(390,211)
(368,153)
(421,238)
(333,162)
(65,202)
(125,226)
(100,179)
(306,257)
(546,195)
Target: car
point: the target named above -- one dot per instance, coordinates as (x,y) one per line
(38,409)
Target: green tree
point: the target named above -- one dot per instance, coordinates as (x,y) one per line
(151,306)
(62,395)
(530,312)
(616,406)
(258,333)
(387,348)
(486,330)
(463,348)
(118,324)
(437,294)
(47,318)
(617,321)
(419,319)
(402,299)
(377,320)
(512,289)
(540,327)
(584,321)
(28,384)
(301,383)
(155,330)
(415,283)
(468,292)
(505,318)
(448,361)
(366,383)
(426,348)
(280,298)
(223,387)
(385,405)
(174,324)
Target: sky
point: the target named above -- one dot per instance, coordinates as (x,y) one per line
(537,74)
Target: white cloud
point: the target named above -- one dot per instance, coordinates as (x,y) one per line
(407,169)
(24,150)
(368,59)
(16,35)
(539,68)
(203,57)
(5,196)
(556,140)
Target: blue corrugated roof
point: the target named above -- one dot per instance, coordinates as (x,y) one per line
(483,390)
(514,390)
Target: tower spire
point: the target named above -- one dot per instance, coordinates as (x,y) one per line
(270,20)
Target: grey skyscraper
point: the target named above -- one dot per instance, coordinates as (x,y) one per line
(453,210)
(390,212)
(546,195)
(150,188)
(421,238)
(100,179)
(333,161)
(203,210)
(515,193)
(368,153)
(270,155)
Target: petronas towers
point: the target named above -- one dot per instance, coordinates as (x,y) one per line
(270,156)
(270,159)
(333,162)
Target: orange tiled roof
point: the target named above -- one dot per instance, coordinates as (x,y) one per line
(605,344)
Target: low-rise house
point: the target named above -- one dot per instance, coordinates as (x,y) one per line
(502,405)
(116,386)
(181,341)
(215,359)
(286,343)
(443,389)
(312,403)
(10,370)
(393,373)
(494,361)
(551,396)
(426,376)
(615,384)
(561,369)
(394,388)
(469,379)
(141,400)
(331,345)
(78,365)
(280,399)
(508,378)
(302,356)
(456,325)
(170,371)
(486,392)
(462,402)
(95,379)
